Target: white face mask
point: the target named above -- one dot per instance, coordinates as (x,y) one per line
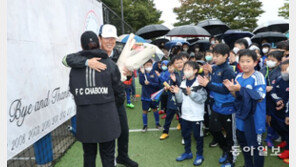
(235,50)
(148,69)
(212,42)
(185,49)
(188,74)
(265,50)
(196,49)
(270,64)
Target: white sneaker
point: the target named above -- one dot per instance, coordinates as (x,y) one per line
(183,142)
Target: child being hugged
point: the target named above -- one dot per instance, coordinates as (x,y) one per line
(193,97)
(250,93)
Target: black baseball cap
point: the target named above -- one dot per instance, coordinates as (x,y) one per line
(87,38)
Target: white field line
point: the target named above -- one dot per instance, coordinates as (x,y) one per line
(153,129)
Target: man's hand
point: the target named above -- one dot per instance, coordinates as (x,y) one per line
(231,86)
(287,120)
(147,82)
(126,72)
(188,90)
(268,119)
(207,68)
(280,105)
(203,81)
(94,63)
(268,88)
(175,89)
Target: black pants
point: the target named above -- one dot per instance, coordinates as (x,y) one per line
(168,120)
(217,122)
(122,142)
(107,152)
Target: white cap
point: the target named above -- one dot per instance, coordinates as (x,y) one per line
(108,31)
(248,40)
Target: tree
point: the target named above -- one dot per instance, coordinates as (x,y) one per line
(137,13)
(284,10)
(238,14)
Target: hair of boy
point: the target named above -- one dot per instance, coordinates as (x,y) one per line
(242,41)
(248,53)
(89,40)
(222,49)
(184,55)
(283,45)
(276,54)
(209,51)
(149,61)
(170,64)
(199,56)
(192,64)
(175,58)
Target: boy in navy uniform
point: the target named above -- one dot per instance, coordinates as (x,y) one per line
(280,96)
(223,107)
(150,84)
(250,92)
(96,99)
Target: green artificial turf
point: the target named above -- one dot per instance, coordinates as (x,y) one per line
(149,151)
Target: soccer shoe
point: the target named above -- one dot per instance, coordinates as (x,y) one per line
(144,128)
(286,161)
(223,158)
(126,162)
(269,142)
(179,126)
(227,165)
(198,160)
(282,144)
(164,136)
(158,126)
(130,105)
(184,156)
(161,112)
(164,116)
(284,154)
(177,117)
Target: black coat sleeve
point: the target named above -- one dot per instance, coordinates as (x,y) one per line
(74,60)
(117,85)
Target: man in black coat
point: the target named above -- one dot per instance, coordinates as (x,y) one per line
(96,100)
(108,35)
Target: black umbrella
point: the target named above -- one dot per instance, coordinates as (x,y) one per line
(152,31)
(230,36)
(271,37)
(160,42)
(189,31)
(204,45)
(275,25)
(214,26)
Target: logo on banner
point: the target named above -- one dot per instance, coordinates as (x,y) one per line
(92,22)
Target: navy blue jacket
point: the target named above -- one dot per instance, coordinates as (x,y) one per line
(279,92)
(152,87)
(224,101)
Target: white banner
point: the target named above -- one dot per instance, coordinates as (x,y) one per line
(39,34)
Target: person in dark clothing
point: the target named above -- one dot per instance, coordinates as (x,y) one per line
(107,37)
(96,99)
(223,107)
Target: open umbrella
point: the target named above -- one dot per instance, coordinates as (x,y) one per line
(203,44)
(188,31)
(214,26)
(152,31)
(271,37)
(160,42)
(274,25)
(137,38)
(230,36)
(172,43)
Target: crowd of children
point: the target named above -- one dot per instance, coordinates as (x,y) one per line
(238,94)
